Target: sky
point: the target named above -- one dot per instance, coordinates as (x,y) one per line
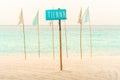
(102,12)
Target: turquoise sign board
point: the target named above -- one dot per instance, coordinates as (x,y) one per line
(56,14)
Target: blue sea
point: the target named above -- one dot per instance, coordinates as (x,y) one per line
(105,39)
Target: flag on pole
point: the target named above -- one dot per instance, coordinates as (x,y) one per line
(36,23)
(80,22)
(86,16)
(21,21)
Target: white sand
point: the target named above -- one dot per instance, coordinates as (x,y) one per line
(45,68)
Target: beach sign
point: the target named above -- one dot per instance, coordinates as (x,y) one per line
(56,14)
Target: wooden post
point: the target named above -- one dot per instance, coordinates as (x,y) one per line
(90,40)
(24,41)
(38,37)
(53,39)
(66,40)
(60,35)
(81,40)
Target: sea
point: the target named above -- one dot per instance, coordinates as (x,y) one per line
(105,39)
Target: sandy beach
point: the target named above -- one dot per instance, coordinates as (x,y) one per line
(46,68)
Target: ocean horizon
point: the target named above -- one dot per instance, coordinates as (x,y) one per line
(105,39)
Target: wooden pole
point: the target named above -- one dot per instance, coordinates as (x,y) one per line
(66,40)
(53,39)
(38,37)
(60,35)
(24,41)
(81,40)
(90,40)
(80,21)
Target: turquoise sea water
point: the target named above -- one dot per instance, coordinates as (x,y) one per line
(105,39)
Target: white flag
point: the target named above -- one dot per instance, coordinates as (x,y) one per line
(80,17)
(21,21)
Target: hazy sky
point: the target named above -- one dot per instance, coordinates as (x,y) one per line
(101,11)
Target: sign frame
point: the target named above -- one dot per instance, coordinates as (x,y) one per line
(55,14)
